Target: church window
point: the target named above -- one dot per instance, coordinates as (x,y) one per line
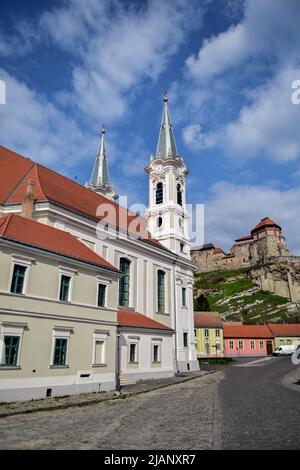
(124,283)
(179,195)
(160,291)
(159,198)
(159,221)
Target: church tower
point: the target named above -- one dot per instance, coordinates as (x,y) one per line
(99,181)
(167,214)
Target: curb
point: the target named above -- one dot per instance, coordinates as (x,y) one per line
(97,401)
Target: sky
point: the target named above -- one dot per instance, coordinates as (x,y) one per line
(70,66)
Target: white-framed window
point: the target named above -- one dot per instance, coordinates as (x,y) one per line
(206,333)
(125,267)
(161,291)
(231,344)
(184,297)
(133,350)
(102,294)
(65,286)
(252,344)
(261,344)
(218,333)
(185,339)
(241,344)
(156,351)
(11,343)
(99,348)
(60,347)
(18,280)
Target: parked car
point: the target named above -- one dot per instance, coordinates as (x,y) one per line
(284,350)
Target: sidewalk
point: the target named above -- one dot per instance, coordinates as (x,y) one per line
(60,403)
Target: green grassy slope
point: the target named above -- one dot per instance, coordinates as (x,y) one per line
(237,298)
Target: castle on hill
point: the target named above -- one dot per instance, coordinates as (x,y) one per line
(264,243)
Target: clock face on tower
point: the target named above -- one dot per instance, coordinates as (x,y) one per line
(158,169)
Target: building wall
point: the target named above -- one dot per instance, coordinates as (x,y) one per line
(246,350)
(206,345)
(35,374)
(145,368)
(37,317)
(286,340)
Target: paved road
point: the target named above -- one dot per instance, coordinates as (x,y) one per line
(237,407)
(181,416)
(257,411)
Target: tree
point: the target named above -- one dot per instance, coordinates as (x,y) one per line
(201,304)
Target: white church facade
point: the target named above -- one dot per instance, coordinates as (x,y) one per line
(145,328)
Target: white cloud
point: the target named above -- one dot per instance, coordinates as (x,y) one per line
(232,210)
(267,126)
(270,125)
(268,28)
(118,47)
(195,139)
(32,126)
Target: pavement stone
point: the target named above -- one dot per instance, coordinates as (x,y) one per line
(180,416)
(47,404)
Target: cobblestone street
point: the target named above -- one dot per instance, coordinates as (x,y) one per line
(252,404)
(182,416)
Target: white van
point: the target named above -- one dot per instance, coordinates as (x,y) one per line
(284,350)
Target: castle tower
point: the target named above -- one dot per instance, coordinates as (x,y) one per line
(99,181)
(268,242)
(167,214)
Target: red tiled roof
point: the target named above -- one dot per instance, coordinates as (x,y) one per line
(137,320)
(206,246)
(207,319)
(218,250)
(231,330)
(29,232)
(244,238)
(51,186)
(13,168)
(285,329)
(266,222)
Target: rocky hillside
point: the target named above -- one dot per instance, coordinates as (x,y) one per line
(237,298)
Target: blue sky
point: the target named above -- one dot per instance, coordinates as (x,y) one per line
(228,65)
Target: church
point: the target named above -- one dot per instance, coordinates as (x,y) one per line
(92,295)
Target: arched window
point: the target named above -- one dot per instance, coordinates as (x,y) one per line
(160,291)
(159,221)
(124,283)
(179,195)
(159,195)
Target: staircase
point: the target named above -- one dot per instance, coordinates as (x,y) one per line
(125,381)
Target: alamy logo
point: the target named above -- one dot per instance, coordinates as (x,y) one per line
(296,94)
(2,92)
(296,357)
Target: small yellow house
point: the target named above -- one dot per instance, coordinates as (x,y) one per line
(209,334)
(285,334)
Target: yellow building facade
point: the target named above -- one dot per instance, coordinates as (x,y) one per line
(208,334)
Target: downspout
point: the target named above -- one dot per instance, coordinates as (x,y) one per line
(175,316)
(118,365)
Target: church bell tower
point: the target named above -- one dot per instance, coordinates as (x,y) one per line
(167,214)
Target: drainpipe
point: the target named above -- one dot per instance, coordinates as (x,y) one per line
(175,316)
(118,365)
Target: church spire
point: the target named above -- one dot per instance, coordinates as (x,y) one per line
(99,180)
(166,147)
